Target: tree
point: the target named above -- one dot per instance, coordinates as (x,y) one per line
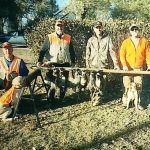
(88,9)
(95,9)
(131,9)
(15,10)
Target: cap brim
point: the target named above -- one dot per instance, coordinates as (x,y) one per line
(97,26)
(59,24)
(6,45)
(134,26)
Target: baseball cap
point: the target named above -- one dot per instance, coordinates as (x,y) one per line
(98,24)
(6,45)
(59,22)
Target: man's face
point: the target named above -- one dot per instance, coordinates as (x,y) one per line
(59,29)
(134,31)
(8,52)
(98,30)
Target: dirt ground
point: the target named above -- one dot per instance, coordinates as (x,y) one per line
(76,125)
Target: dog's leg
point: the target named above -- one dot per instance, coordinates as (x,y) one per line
(128,102)
(136,99)
(136,103)
(125,97)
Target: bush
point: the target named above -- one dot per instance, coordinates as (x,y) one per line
(80,32)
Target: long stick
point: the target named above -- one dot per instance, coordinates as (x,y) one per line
(97,70)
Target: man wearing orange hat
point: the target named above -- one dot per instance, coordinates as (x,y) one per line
(10,66)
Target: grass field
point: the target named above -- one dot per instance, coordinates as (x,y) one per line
(73,125)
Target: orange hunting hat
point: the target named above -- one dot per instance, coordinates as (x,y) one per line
(59,22)
(6,45)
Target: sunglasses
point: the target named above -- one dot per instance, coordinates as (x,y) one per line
(59,25)
(98,27)
(134,29)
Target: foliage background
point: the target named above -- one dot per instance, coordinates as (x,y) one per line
(80,32)
(124,9)
(13,11)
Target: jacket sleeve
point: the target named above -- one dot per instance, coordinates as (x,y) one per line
(123,54)
(44,49)
(148,54)
(23,70)
(72,54)
(113,54)
(88,53)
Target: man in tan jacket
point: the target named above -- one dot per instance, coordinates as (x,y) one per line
(98,48)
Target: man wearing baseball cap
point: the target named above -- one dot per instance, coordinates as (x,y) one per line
(10,66)
(58,50)
(98,48)
(59,47)
(134,53)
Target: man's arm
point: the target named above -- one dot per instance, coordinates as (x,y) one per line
(23,70)
(123,55)
(44,49)
(148,55)
(88,53)
(72,54)
(113,54)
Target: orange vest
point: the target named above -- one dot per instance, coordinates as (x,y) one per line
(15,65)
(59,48)
(7,97)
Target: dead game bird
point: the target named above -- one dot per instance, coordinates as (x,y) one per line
(91,84)
(83,80)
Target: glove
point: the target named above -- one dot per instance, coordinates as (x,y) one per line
(117,68)
(125,68)
(148,68)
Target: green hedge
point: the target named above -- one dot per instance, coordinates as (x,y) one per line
(80,32)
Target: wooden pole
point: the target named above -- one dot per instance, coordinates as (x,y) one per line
(113,71)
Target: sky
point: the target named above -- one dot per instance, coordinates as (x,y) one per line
(62,3)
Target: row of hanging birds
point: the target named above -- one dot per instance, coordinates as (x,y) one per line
(78,80)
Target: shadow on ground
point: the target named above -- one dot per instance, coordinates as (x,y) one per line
(123,133)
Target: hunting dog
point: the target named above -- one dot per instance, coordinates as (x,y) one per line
(132,96)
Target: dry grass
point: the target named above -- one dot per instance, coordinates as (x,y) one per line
(79,126)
